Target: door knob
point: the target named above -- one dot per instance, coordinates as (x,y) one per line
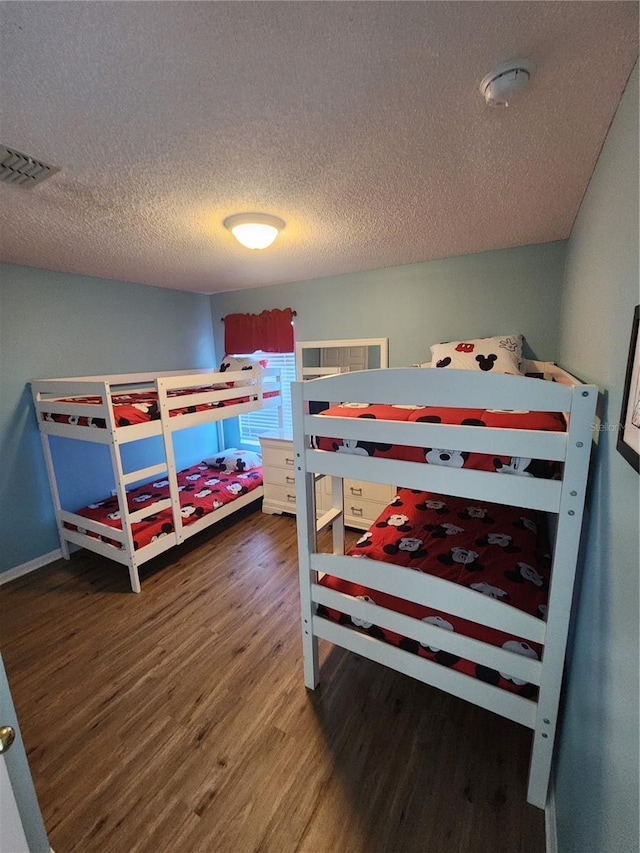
(7,737)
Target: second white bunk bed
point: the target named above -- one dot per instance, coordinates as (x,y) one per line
(357,591)
(155,500)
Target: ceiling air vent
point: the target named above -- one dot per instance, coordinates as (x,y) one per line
(23,170)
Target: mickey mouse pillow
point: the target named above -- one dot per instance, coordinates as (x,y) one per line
(234,461)
(502,354)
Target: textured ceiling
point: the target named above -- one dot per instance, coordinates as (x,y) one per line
(360,124)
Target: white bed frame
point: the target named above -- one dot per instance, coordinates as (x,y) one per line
(564,498)
(47,397)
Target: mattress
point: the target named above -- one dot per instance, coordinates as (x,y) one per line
(492,549)
(202,491)
(505,419)
(142,406)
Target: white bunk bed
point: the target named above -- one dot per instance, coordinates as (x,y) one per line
(561,499)
(89,408)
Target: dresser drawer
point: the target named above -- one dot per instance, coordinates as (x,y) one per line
(279,477)
(359,489)
(360,513)
(282,495)
(277,457)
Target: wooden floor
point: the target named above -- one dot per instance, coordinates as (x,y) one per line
(176,720)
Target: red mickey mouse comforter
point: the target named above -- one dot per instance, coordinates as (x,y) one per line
(142,406)
(495,550)
(202,490)
(506,419)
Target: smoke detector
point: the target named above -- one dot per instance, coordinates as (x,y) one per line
(504,82)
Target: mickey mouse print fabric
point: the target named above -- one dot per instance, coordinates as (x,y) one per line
(202,491)
(492,549)
(498,355)
(521,466)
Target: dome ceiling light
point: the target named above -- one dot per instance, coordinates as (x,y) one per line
(499,87)
(254,230)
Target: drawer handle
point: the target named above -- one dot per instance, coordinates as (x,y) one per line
(290,480)
(356,510)
(291,499)
(288,461)
(356,492)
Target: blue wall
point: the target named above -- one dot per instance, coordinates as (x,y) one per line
(597,772)
(493,293)
(55,324)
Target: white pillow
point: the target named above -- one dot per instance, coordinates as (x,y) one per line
(502,354)
(233,461)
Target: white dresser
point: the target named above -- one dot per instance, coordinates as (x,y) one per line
(363,502)
(278,473)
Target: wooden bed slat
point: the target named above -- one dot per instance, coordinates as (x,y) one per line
(91,387)
(97,436)
(430,635)
(151,509)
(491,486)
(95,526)
(87,410)
(433,592)
(144,473)
(485,695)
(468,389)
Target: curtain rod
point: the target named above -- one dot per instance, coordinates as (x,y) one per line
(293,314)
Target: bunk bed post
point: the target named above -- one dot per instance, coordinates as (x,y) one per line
(172,475)
(51,474)
(307,537)
(565,555)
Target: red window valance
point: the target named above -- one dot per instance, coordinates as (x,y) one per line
(270,331)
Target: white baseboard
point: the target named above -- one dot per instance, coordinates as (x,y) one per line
(31,566)
(550,824)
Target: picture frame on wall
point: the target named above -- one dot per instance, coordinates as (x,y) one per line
(628,442)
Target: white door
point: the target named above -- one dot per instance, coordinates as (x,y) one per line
(345,357)
(12,837)
(21,826)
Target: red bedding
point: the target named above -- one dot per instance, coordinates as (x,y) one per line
(142,406)
(550,421)
(496,550)
(202,490)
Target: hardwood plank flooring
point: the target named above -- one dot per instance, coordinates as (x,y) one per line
(177,720)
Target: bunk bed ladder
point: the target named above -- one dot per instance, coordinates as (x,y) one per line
(565,555)
(121,488)
(125,520)
(172,475)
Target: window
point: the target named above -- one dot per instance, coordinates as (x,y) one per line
(265,420)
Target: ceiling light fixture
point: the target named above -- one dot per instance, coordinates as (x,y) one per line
(507,80)
(254,230)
